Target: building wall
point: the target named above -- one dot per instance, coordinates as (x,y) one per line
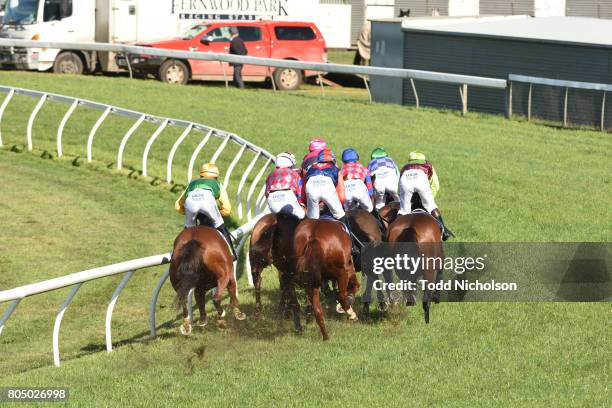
(420,8)
(589,8)
(498,58)
(507,7)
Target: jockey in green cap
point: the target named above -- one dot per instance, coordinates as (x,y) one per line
(418,176)
(385,176)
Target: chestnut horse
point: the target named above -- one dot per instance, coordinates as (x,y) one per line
(272,244)
(421,228)
(201,260)
(322,250)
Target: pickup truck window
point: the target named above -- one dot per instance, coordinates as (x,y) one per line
(293,33)
(222,34)
(193,31)
(56,10)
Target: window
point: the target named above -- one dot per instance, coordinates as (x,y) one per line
(57,10)
(193,31)
(293,33)
(222,34)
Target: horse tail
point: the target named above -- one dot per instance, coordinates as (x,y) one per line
(308,264)
(190,268)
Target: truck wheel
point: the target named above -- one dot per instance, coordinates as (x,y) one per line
(174,72)
(288,79)
(68,63)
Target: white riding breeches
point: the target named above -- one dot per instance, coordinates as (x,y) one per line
(321,188)
(357,195)
(385,181)
(201,201)
(415,181)
(285,201)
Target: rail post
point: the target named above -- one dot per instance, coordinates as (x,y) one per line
(173,152)
(125,139)
(197,151)
(37,109)
(145,155)
(3,108)
(94,130)
(60,129)
(58,322)
(111,307)
(603,112)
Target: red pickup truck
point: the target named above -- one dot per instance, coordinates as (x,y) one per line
(269,39)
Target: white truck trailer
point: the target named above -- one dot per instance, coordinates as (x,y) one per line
(133,21)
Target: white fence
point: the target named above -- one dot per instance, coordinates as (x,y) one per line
(254,208)
(412,74)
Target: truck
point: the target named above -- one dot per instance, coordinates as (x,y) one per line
(139,21)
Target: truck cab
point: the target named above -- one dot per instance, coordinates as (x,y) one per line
(47,20)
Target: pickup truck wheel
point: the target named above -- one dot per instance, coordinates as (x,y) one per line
(68,63)
(174,72)
(288,79)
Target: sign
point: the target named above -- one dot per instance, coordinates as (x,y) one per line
(231,9)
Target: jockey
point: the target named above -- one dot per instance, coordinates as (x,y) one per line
(419,176)
(284,187)
(202,197)
(316,145)
(357,182)
(385,174)
(323,183)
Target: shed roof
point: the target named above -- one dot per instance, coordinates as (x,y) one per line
(580,30)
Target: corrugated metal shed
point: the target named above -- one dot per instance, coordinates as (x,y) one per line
(589,8)
(574,49)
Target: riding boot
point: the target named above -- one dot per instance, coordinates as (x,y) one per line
(356,245)
(228,237)
(446,233)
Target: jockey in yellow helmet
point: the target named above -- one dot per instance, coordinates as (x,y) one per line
(206,196)
(418,176)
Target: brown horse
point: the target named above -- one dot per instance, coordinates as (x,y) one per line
(201,260)
(272,244)
(388,213)
(422,229)
(367,229)
(322,250)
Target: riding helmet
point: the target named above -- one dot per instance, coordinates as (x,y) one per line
(379,153)
(209,171)
(326,156)
(285,159)
(350,155)
(317,144)
(416,158)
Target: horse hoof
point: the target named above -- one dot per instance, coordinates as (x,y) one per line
(339,309)
(352,316)
(239,315)
(185,329)
(383,306)
(221,324)
(202,322)
(222,315)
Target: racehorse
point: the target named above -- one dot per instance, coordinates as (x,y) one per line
(322,250)
(421,228)
(201,260)
(272,244)
(367,229)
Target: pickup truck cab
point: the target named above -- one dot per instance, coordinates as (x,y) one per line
(267,39)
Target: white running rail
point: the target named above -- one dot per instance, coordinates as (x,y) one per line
(14,296)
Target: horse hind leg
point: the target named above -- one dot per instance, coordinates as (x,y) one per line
(185,328)
(221,285)
(200,296)
(257,280)
(233,293)
(343,298)
(314,296)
